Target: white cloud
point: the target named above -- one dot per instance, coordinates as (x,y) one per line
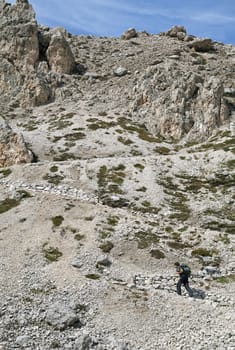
(213,18)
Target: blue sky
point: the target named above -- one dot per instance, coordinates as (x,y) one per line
(203,18)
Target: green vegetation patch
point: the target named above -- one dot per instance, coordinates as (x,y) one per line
(141,189)
(89,218)
(145,208)
(225,219)
(226,212)
(5,172)
(57,220)
(146,204)
(230,164)
(203,252)
(224,180)
(75,136)
(176,235)
(182,211)
(109,227)
(220,226)
(109,180)
(64,156)
(224,238)
(106,247)
(146,238)
(125,141)
(178,245)
(30,125)
(140,130)
(78,237)
(157,254)
(62,122)
(139,166)
(53,179)
(115,203)
(178,203)
(100,124)
(162,150)
(225,279)
(8,204)
(168,184)
(54,168)
(105,234)
(93,276)
(113,220)
(51,254)
(219,180)
(136,153)
(226,145)
(177,200)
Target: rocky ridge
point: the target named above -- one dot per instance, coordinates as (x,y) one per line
(132,143)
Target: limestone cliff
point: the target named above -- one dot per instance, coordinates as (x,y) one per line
(174,83)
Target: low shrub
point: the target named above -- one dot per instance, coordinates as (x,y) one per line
(203,252)
(106,247)
(8,204)
(52,254)
(93,276)
(5,172)
(57,220)
(157,254)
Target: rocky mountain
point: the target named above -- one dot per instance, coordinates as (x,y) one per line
(116,160)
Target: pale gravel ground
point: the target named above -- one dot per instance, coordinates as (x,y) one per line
(150,319)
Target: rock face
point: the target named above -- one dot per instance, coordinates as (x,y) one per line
(171,82)
(19,49)
(22,78)
(19,35)
(13,149)
(188,106)
(59,54)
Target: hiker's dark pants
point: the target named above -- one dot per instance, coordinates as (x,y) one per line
(184,280)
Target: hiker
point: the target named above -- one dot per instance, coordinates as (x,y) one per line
(184,273)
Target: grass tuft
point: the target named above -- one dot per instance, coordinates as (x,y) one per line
(57,220)
(51,254)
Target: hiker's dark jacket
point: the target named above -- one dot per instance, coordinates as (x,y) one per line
(183,275)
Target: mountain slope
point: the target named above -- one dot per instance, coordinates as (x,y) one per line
(133,169)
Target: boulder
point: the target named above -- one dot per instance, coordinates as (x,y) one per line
(22,340)
(201,45)
(177,32)
(61,316)
(129,34)
(13,149)
(84,342)
(120,71)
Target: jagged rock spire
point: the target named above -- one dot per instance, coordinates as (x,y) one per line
(22,2)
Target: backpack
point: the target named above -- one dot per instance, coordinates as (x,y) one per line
(186,269)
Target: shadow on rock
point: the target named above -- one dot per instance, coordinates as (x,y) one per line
(198,293)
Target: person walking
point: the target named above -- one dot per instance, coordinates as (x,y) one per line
(184,273)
